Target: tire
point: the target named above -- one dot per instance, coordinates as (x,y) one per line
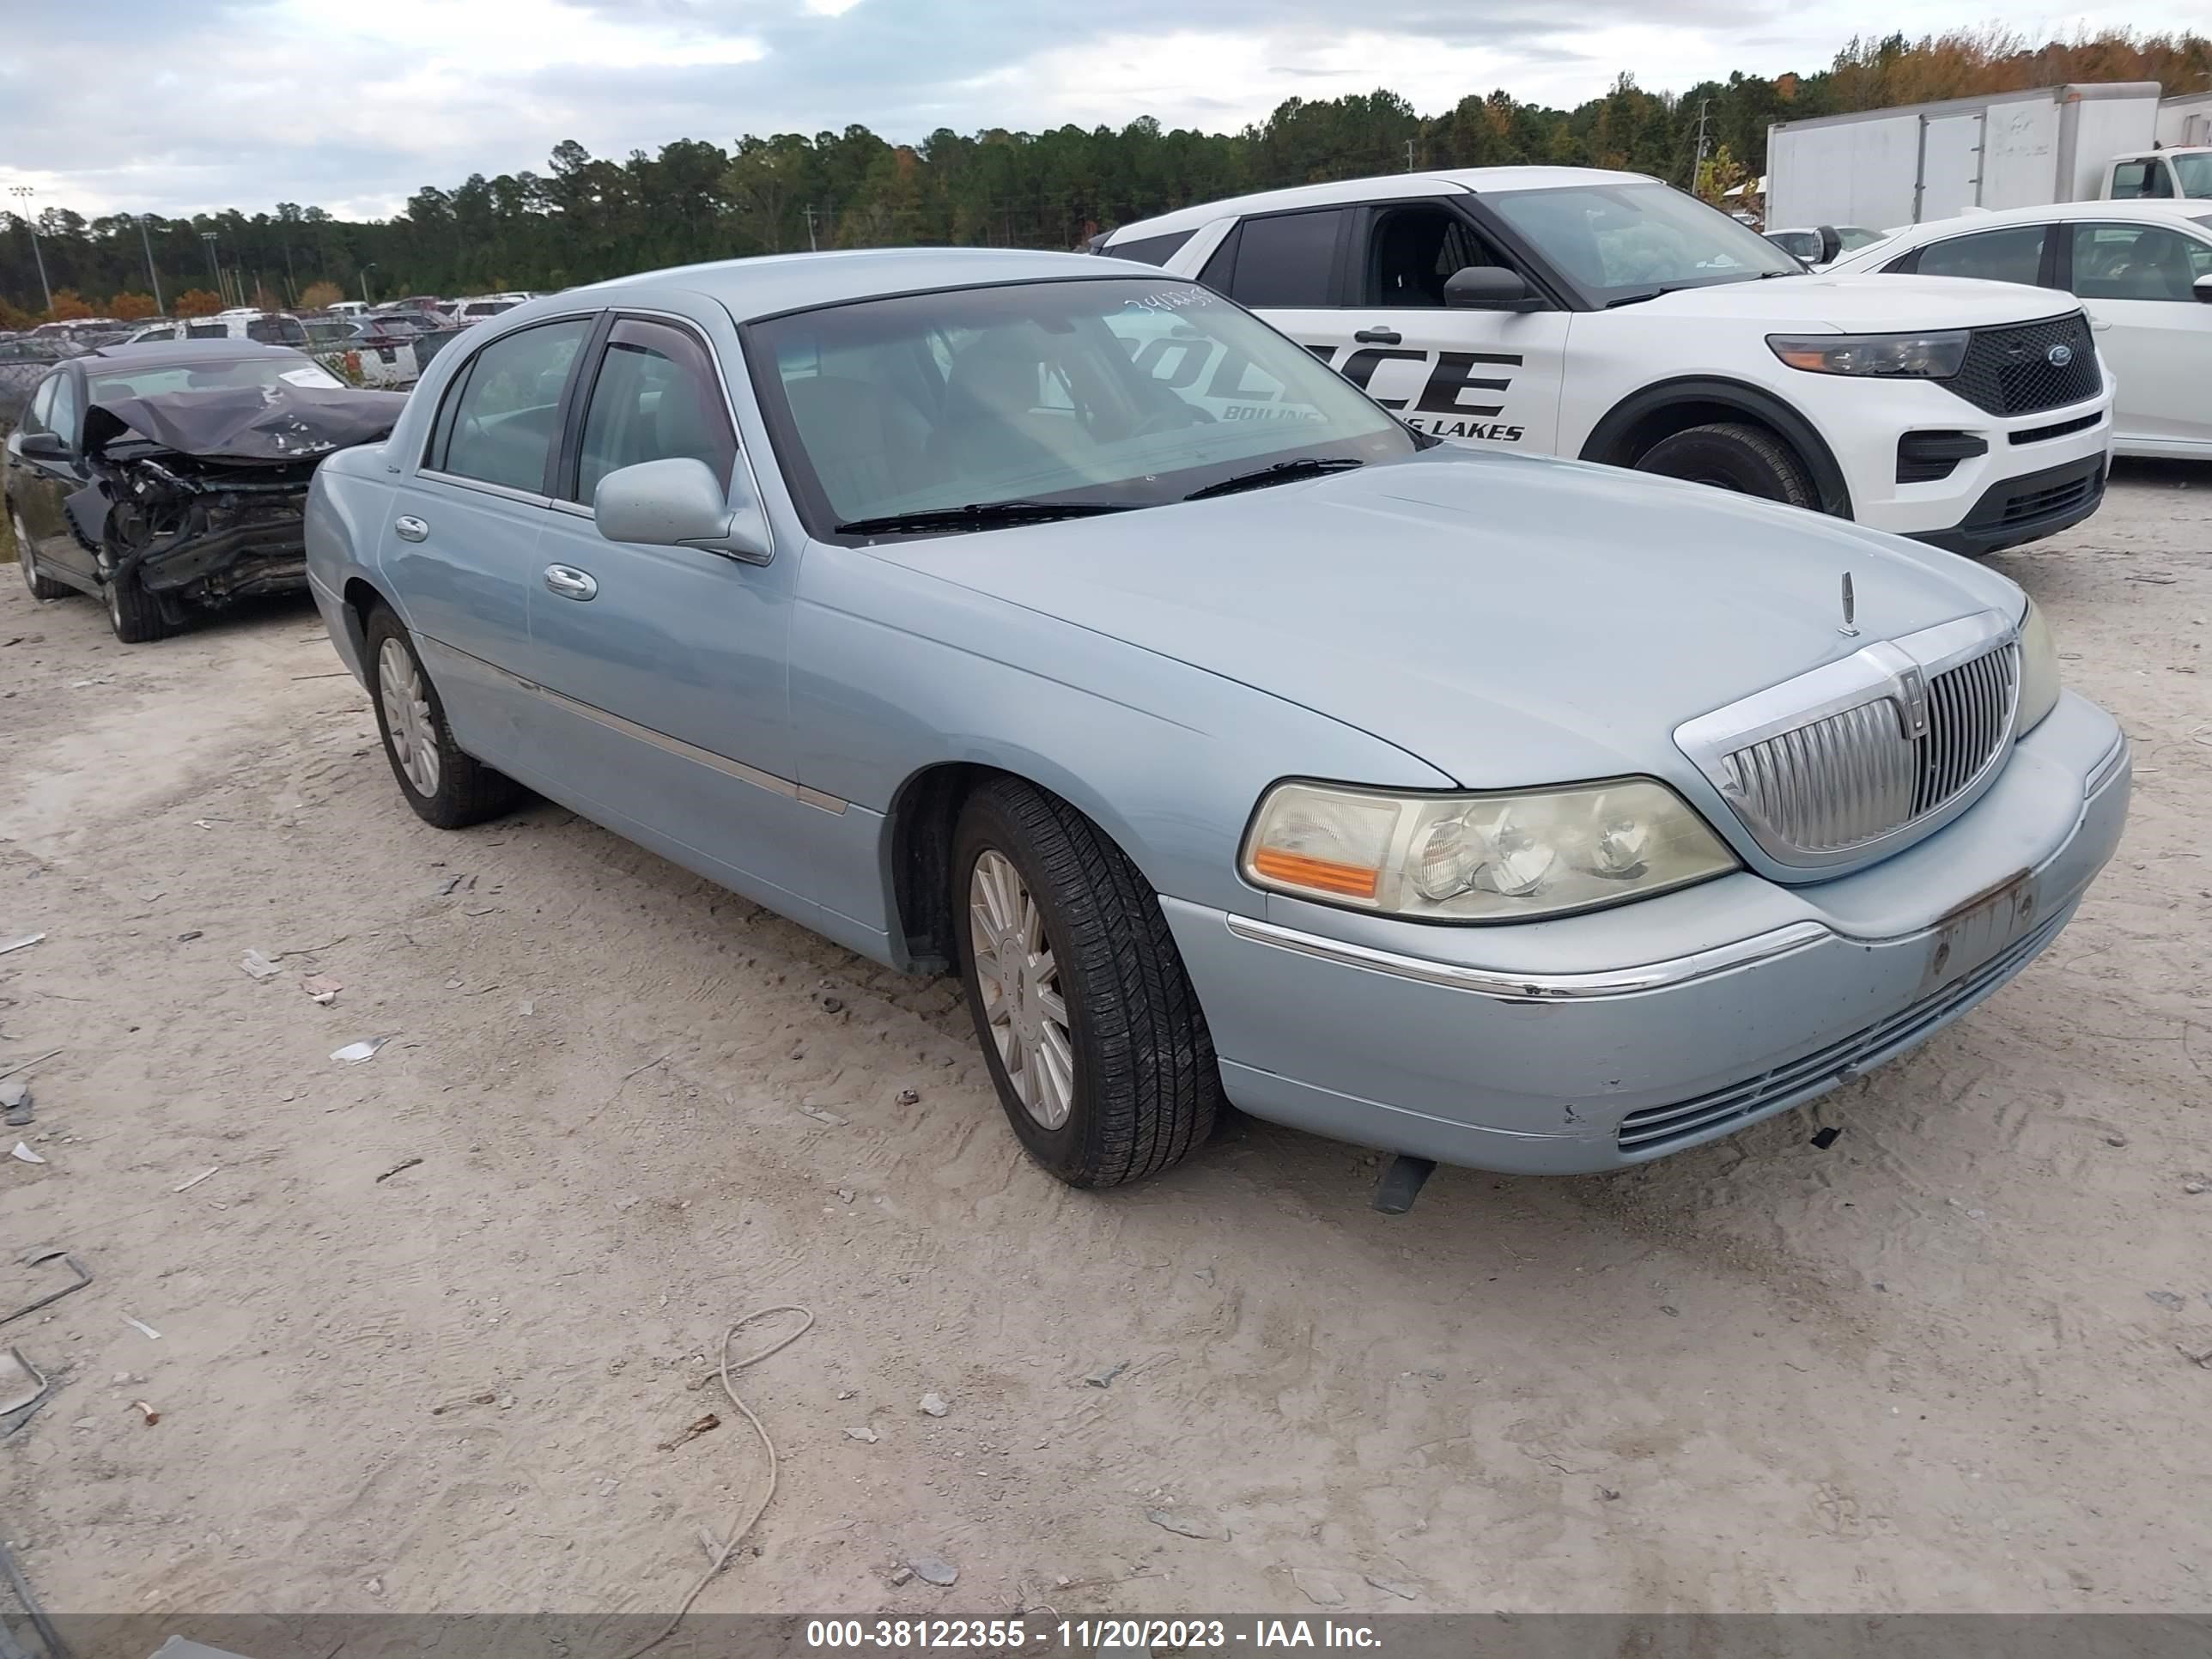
(1750,460)
(135,615)
(1141,1085)
(446,786)
(41,585)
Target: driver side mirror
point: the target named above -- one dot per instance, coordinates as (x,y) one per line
(1489,287)
(48,445)
(2203,289)
(679,502)
(1831,246)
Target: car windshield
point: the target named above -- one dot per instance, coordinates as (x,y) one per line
(152,382)
(1623,241)
(1095,394)
(2195,171)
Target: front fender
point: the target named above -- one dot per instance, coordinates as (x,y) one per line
(894,673)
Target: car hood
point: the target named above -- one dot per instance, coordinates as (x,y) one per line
(1508,620)
(1853,301)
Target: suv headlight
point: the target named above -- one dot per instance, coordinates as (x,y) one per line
(1503,856)
(1907,356)
(2038,670)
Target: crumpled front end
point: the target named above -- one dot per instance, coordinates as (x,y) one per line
(201,496)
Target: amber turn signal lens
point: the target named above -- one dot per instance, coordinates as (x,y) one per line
(1325,875)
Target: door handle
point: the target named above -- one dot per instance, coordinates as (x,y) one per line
(1378,337)
(409,528)
(571,583)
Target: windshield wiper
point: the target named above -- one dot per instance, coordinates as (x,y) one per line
(1637,299)
(979,516)
(1280,472)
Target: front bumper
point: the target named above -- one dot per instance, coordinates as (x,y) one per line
(1862,421)
(1601,1041)
(2026,509)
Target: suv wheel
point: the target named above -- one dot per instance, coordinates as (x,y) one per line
(1733,455)
(1088,1023)
(42,587)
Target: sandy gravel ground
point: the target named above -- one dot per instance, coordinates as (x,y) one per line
(1937,1366)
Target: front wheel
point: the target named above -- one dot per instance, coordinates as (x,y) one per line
(1733,455)
(444,785)
(136,615)
(1088,1023)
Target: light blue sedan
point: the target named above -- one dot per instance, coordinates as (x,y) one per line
(1057,622)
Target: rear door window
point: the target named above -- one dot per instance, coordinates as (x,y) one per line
(500,422)
(1287,261)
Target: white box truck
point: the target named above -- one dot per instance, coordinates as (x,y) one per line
(1888,167)
(2186,122)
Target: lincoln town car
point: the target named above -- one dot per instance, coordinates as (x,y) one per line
(1055,622)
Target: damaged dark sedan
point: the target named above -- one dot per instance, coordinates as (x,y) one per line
(167,478)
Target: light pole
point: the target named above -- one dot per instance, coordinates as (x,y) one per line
(365,270)
(214,270)
(152,275)
(23,194)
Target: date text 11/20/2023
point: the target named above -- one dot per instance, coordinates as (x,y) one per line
(1083,1634)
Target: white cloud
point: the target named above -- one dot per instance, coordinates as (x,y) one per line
(382,97)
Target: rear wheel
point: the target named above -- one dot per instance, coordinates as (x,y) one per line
(1088,1023)
(41,585)
(1733,455)
(445,785)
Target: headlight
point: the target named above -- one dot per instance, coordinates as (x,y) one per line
(1492,857)
(2038,670)
(1911,356)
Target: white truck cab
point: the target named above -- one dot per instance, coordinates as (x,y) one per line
(1605,316)
(2160,175)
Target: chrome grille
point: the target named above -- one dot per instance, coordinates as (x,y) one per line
(1969,711)
(1899,735)
(1855,776)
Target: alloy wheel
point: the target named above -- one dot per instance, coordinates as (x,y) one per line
(407,719)
(1018,980)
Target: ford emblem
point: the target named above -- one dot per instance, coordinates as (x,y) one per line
(2059,356)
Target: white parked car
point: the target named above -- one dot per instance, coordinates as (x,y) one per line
(2142,270)
(1566,311)
(477,308)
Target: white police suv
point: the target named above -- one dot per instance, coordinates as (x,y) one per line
(1567,311)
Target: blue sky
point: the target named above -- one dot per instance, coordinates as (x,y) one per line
(167,106)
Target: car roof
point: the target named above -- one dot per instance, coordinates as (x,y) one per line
(2155,211)
(168,354)
(1388,186)
(764,286)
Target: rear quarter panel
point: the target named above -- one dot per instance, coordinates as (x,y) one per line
(348,505)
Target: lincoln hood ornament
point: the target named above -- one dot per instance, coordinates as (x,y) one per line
(1850,610)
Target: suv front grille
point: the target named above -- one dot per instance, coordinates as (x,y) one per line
(2008,371)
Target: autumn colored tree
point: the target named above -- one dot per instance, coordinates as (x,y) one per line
(68,306)
(128,307)
(14,317)
(320,296)
(196,302)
